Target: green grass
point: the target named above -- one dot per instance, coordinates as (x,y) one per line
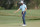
(29,14)
(9,19)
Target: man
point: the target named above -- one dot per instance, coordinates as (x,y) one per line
(23,8)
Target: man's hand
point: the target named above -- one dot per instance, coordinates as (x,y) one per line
(23,12)
(15,12)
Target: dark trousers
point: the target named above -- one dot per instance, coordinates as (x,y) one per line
(23,17)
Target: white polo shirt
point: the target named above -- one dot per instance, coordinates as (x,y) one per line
(22,7)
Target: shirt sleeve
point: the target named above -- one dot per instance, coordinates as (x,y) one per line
(20,7)
(25,6)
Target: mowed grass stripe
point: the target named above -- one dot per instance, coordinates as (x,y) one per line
(30,14)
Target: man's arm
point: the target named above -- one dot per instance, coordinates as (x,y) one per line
(24,10)
(17,11)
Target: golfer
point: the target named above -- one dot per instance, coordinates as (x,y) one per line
(23,8)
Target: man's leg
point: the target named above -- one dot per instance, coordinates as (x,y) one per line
(23,17)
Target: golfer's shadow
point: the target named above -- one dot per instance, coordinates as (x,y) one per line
(19,25)
(23,26)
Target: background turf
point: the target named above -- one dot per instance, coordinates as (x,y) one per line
(9,19)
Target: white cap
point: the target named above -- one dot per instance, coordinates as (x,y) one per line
(21,1)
